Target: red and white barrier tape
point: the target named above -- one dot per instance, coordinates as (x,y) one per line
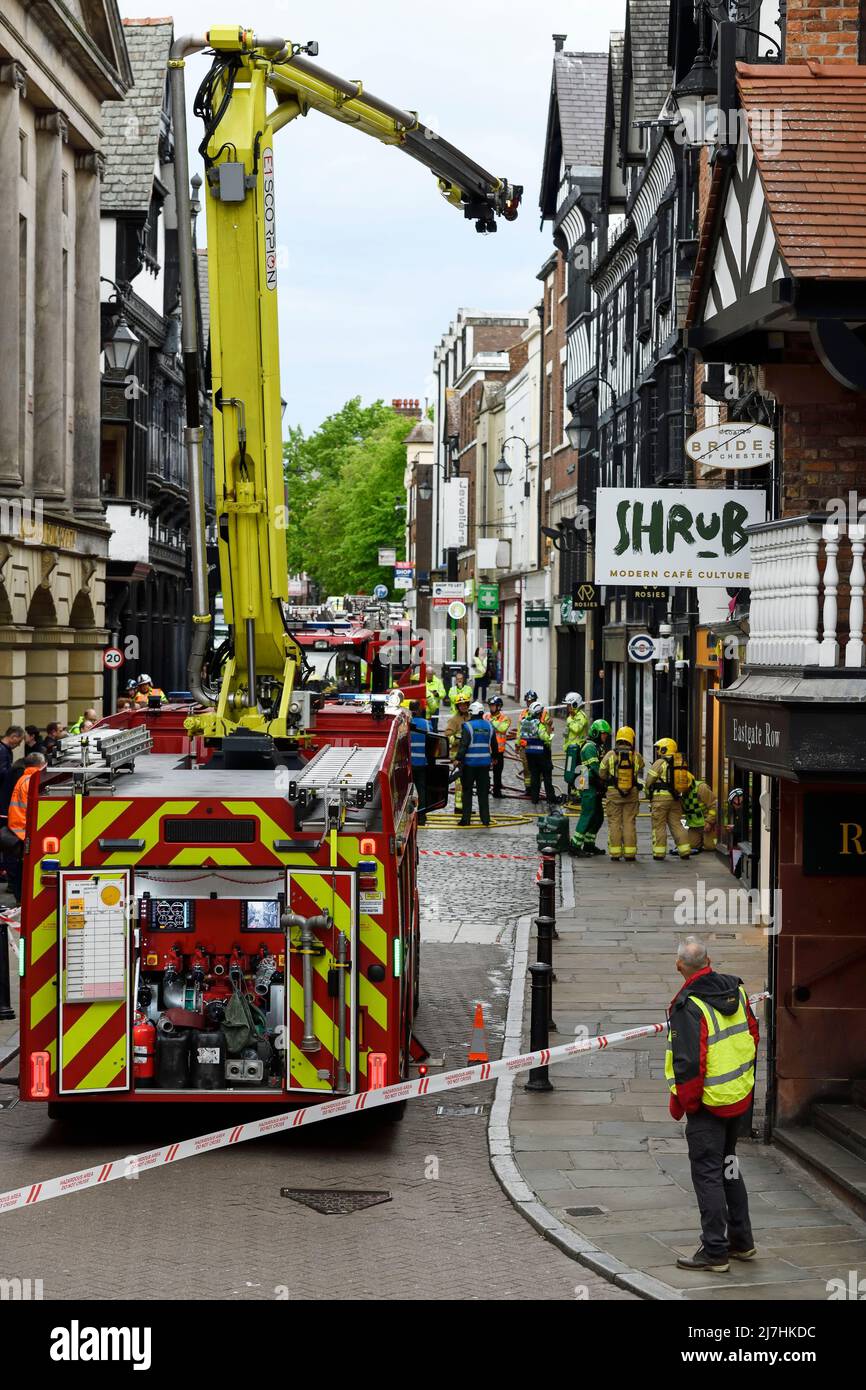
(135,1164)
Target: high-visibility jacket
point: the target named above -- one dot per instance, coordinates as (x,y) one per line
(475,750)
(576,726)
(419,730)
(142,699)
(435,694)
(501,723)
(712,1044)
(535,736)
(459,692)
(479,666)
(17,814)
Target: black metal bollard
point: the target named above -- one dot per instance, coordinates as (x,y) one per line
(6,1010)
(544,956)
(548,905)
(538,1024)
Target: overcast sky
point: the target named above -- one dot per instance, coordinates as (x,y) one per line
(374,263)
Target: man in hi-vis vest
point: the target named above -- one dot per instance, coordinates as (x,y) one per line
(710,1070)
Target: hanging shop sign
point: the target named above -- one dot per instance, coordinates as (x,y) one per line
(487,599)
(585,595)
(682,537)
(404,575)
(455,497)
(536,617)
(569,613)
(732,446)
(641,647)
(651,594)
(387,555)
(445,592)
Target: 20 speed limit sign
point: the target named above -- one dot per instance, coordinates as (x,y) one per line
(113,658)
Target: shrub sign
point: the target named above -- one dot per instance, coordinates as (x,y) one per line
(683,537)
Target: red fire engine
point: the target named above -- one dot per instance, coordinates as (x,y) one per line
(219,899)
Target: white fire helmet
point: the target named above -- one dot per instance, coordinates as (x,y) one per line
(536,708)
(476,709)
(572,698)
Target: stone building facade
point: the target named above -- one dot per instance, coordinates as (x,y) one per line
(57,66)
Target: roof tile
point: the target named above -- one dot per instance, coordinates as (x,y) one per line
(813,173)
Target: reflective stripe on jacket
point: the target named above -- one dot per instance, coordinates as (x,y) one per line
(418,740)
(478,754)
(576,726)
(727,1071)
(501,724)
(17,814)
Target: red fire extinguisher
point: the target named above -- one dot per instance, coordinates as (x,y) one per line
(143,1051)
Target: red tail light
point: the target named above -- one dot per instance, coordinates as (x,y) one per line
(40,1071)
(376,1071)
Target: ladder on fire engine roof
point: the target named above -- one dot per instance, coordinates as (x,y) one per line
(94,758)
(347,775)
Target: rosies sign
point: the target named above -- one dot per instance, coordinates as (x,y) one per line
(683,537)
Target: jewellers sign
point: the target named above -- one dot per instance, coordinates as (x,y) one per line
(683,537)
(732,446)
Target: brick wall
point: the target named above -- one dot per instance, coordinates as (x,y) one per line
(823,433)
(823,33)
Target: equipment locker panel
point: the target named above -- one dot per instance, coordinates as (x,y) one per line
(322,995)
(94,1005)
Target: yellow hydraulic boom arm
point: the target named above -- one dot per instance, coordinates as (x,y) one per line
(254,701)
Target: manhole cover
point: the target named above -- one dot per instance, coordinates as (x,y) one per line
(459,1112)
(334,1201)
(586,1211)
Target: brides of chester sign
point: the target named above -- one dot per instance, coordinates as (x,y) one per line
(685,537)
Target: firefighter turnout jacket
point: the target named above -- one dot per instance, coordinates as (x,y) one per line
(453,730)
(712,1042)
(669,775)
(620,769)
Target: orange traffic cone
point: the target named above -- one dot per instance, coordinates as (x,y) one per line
(478,1046)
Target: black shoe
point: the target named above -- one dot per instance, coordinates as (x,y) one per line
(702,1261)
(748,1254)
(463,822)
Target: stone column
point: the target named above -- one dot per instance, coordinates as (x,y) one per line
(49,425)
(88,410)
(12,89)
(48,676)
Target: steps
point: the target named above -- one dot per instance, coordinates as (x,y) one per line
(833,1145)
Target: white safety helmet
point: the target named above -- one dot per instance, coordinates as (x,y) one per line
(144,679)
(536,708)
(572,698)
(476,709)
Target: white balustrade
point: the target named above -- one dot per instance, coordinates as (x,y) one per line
(793,599)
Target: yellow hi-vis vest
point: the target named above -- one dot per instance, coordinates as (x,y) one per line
(730,1074)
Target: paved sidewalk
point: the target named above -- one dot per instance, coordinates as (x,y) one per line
(600,1153)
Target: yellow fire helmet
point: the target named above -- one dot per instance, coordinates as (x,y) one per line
(666,747)
(625,735)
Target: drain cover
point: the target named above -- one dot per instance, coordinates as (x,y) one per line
(458,1112)
(334,1201)
(586,1211)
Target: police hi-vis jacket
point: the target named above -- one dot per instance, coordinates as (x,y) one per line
(477,743)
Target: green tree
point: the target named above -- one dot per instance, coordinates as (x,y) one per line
(344,484)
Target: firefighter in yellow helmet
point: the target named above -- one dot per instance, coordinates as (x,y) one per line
(453,730)
(667,782)
(619,770)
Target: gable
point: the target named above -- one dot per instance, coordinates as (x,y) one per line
(746,256)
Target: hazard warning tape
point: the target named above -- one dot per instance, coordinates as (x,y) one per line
(100,1174)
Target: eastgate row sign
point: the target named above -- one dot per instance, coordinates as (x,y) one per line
(683,537)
